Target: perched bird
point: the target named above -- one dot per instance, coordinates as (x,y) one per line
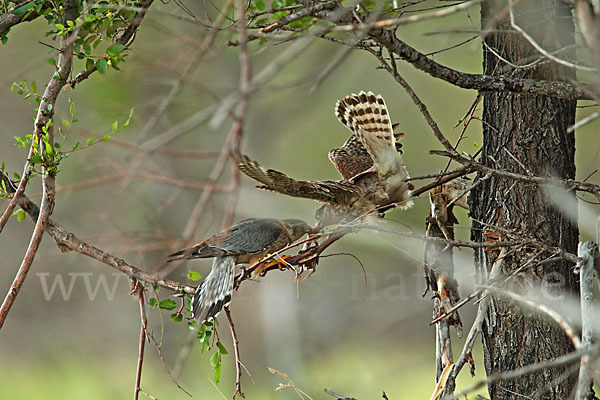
(245,242)
(370,184)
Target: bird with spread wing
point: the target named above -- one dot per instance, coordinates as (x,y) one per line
(374,178)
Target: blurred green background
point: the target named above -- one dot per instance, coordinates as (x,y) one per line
(333,330)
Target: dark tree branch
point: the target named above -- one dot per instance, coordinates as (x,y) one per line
(388,39)
(570,184)
(559,89)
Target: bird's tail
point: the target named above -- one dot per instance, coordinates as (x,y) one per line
(366,115)
(215,291)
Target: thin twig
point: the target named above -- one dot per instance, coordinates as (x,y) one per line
(391,68)
(139,291)
(525,370)
(559,319)
(236,351)
(539,48)
(569,184)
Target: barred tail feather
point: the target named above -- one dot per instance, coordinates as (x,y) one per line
(215,291)
(367,116)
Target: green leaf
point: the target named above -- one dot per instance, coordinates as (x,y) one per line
(115,125)
(215,359)
(16,176)
(2,167)
(23,9)
(60,27)
(33,87)
(153,302)
(89,141)
(205,336)
(167,304)
(218,373)
(106,138)
(115,50)
(102,65)
(89,63)
(194,276)
(36,159)
(192,325)
(20,213)
(129,118)
(222,348)
(176,317)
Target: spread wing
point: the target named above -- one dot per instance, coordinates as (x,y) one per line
(275,181)
(366,115)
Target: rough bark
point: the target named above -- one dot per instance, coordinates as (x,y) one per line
(533,130)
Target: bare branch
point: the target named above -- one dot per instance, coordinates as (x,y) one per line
(569,184)
(42,124)
(562,322)
(420,105)
(139,291)
(566,359)
(538,47)
(236,351)
(67,241)
(464,80)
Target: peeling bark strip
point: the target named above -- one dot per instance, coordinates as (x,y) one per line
(533,130)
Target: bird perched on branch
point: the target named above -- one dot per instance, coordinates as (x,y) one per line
(245,242)
(371,165)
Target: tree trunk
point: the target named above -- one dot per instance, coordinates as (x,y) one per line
(526,134)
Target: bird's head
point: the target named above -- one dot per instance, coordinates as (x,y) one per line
(326,215)
(299,228)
